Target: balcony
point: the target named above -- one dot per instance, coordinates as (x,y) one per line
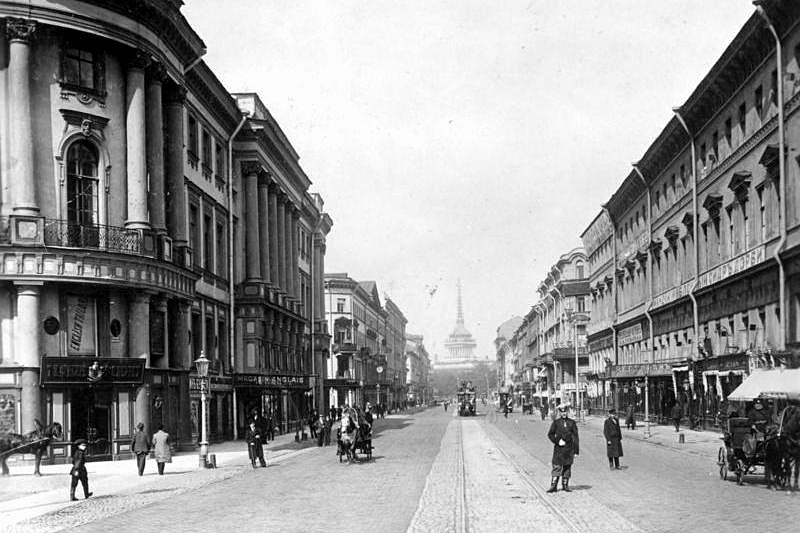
(108,238)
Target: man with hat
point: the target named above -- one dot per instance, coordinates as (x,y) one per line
(78,471)
(613,436)
(564,436)
(141,446)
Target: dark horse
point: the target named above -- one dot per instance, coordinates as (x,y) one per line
(782,450)
(35,442)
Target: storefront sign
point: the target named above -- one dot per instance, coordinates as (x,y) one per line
(724,363)
(601,344)
(671,295)
(76,370)
(733,267)
(261,380)
(630,334)
(641,370)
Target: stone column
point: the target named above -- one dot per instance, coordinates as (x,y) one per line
(26,348)
(155,147)
(21,171)
(176,189)
(287,249)
(281,240)
(139,347)
(135,143)
(253,240)
(294,255)
(273,234)
(263,220)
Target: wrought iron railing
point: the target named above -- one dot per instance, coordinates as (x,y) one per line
(110,238)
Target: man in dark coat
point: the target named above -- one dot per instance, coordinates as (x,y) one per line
(677,414)
(78,471)
(254,448)
(564,436)
(613,435)
(141,447)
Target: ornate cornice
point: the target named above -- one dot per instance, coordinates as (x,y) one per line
(85,121)
(157,72)
(19,29)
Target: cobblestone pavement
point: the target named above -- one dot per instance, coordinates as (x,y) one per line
(661,488)
(307,493)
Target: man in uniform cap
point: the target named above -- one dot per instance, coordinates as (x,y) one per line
(613,435)
(78,471)
(564,436)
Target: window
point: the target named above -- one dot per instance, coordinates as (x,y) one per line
(580,303)
(664,195)
(715,145)
(657,202)
(221,255)
(579,270)
(683,175)
(703,154)
(83,69)
(206,150)
(731,232)
(728,133)
(672,187)
(762,209)
(194,228)
(208,253)
(746,218)
(82,184)
(742,120)
(219,157)
(192,147)
(773,88)
(340,305)
(759,98)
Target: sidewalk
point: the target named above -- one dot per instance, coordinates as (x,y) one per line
(24,496)
(702,442)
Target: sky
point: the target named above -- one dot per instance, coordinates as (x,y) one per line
(464,139)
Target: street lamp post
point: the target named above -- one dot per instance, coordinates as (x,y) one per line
(201,363)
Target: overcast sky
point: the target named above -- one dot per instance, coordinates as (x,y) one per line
(461,138)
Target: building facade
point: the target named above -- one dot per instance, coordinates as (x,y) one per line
(418,367)
(505,333)
(118,222)
(700,282)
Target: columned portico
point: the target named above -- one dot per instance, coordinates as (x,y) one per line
(273,235)
(155,147)
(22,179)
(263,219)
(139,347)
(287,249)
(252,237)
(135,135)
(281,238)
(27,354)
(176,213)
(293,260)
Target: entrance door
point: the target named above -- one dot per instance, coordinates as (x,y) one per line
(90,419)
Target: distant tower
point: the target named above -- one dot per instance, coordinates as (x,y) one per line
(460,344)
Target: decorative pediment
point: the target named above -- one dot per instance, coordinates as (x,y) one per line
(672,233)
(740,183)
(688,222)
(89,125)
(712,204)
(769,158)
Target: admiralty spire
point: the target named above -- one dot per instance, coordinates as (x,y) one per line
(460,344)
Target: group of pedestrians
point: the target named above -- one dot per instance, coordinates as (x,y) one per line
(141,444)
(563,434)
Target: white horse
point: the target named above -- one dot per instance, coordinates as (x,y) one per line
(348,434)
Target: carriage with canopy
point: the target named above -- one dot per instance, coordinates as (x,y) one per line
(354,435)
(767,441)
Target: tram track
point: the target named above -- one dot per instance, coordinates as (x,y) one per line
(461,518)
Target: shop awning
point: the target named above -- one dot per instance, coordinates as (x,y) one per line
(775,383)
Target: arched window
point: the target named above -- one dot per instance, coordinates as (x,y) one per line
(82,184)
(579,269)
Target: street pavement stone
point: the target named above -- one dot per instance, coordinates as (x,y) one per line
(661,488)
(312,492)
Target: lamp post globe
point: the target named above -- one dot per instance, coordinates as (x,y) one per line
(201,364)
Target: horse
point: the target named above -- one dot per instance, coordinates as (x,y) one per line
(789,435)
(348,435)
(35,442)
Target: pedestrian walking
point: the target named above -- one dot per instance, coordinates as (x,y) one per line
(630,418)
(78,471)
(269,433)
(161,448)
(613,435)
(677,413)
(564,436)
(260,421)
(312,425)
(328,427)
(320,429)
(445,403)
(141,447)
(254,446)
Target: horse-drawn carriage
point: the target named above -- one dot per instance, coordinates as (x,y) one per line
(354,435)
(771,447)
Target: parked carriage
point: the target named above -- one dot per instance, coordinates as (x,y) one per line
(354,435)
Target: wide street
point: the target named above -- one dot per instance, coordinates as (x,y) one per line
(433,471)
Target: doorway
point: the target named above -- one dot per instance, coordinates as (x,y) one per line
(90,419)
